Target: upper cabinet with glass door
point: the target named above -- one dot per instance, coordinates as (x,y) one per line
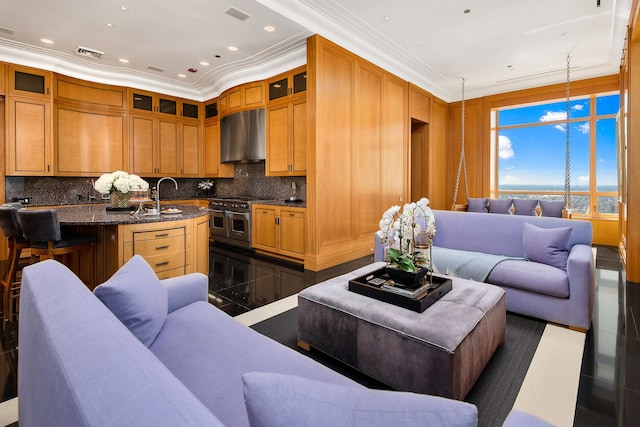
(141,102)
(31,82)
(288,85)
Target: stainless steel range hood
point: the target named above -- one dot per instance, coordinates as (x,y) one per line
(242,136)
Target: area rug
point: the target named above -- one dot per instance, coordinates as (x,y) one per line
(495,391)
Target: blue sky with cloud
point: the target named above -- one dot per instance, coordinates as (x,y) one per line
(535,155)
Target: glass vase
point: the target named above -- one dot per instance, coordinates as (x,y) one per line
(119,200)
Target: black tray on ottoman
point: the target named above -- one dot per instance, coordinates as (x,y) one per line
(417,300)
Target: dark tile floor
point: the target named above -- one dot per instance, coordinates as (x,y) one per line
(609,391)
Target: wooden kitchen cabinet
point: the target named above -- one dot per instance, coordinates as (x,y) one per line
(29,82)
(88,142)
(189,149)
(143,102)
(154,146)
(28,146)
(211,152)
(243,97)
(288,85)
(279,230)
(163,249)
(286,142)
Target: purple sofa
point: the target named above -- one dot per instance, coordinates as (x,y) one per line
(544,264)
(146,352)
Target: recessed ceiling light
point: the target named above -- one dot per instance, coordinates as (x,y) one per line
(47,41)
(232,48)
(123,8)
(204,63)
(269,29)
(467,11)
(109,24)
(386,18)
(182,75)
(123,60)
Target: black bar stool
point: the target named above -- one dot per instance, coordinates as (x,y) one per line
(42,229)
(10,226)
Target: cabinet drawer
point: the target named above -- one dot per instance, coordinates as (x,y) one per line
(158,246)
(164,262)
(174,272)
(158,234)
(292,214)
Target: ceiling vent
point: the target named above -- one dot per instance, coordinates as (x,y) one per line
(89,53)
(6,30)
(236,13)
(152,68)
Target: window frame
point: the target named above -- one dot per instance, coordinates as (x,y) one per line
(592,119)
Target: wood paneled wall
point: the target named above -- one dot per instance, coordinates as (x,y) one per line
(630,227)
(358,152)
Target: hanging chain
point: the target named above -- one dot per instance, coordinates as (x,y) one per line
(462,165)
(567,166)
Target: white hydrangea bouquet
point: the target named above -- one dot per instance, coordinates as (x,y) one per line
(119,181)
(402,230)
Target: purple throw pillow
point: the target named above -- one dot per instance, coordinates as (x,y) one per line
(477,205)
(500,206)
(137,298)
(546,245)
(525,207)
(551,208)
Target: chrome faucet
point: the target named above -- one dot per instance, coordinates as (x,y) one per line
(158,191)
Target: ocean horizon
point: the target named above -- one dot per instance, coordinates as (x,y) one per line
(554,188)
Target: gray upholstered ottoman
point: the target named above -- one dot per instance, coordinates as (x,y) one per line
(441,351)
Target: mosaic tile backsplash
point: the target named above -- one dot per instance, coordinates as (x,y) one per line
(249,180)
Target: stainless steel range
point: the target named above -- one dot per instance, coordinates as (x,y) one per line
(231,220)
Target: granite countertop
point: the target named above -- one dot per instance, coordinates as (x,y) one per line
(98,215)
(284,202)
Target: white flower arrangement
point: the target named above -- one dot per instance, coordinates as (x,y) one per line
(206,185)
(119,181)
(400,230)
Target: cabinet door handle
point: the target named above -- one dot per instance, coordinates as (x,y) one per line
(162,235)
(158,264)
(162,247)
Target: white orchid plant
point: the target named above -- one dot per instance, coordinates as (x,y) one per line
(399,230)
(119,181)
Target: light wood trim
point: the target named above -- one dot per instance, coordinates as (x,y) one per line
(419,104)
(3,79)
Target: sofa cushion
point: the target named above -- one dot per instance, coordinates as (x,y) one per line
(500,206)
(546,245)
(525,207)
(477,205)
(208,351)
(530,276)
(551,208)
(137,298)
(303,402)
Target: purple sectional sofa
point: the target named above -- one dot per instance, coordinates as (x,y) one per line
(146,352)
(545,265)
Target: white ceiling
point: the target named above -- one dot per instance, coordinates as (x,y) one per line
(499,46)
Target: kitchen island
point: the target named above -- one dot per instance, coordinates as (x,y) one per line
(173,244)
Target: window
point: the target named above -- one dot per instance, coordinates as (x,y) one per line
(529,145)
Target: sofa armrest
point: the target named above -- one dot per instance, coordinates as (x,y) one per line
(582,283)
(187,289)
